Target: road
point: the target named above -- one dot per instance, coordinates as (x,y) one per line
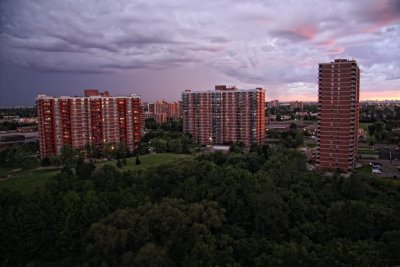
(28,135)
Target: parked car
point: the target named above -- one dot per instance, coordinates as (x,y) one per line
(377,168)
(375,164)
(376,171)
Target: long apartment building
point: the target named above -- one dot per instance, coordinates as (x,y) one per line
(338,104)
(97,118)
(224,115)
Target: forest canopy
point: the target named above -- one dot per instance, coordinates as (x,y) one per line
(262,208)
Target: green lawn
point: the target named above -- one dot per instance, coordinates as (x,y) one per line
(367,169)
(151,160)
(310,145)
(27,180)
(368,151)
(364,125)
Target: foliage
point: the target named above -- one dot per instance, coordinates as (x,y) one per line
(261,208)
(292,138)
(162,141)
(22,156)
(380,121)
(21,112)
(13,125)
(171,125)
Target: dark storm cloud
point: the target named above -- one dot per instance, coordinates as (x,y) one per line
(381,12)
(276,44)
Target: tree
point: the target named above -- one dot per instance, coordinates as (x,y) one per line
(376,130)
(236,147)
(175,145)
(371,140)
(67,155)
(183,232)
(92,151)
(84,170)
(151,124)
(120,152)
(352,219)
(46,162)
(273,134)
(159,144)
(258,209)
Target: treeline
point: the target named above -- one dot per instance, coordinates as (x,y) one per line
(22,156)
(387,114)
(13,125)
(382,132)
(164,141)
(292,138)
(22,112)
(257,209)
(384,119)
(171,125)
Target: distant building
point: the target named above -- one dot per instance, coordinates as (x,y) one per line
(158,117)
(296,104)
(97,118)
(301,114)
(162,110)
(278,126)
(338,104)
(11,117)
(224,115)
(272,104)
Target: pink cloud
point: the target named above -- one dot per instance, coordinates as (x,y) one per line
(326,43)
(307,31)
(336,50)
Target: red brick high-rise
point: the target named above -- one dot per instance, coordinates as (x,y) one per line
(224,115)
(97,118)
(338,108)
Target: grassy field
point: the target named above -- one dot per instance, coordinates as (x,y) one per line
(364,125)
(368,151)
(150,160)
(367,169)
(310,145)
(28,180)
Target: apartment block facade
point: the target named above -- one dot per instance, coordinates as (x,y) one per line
(338,111)
(97,118)
(224,115)
(162,110)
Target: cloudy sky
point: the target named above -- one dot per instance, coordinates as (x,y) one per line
(159,48)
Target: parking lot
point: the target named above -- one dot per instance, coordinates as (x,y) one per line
(389,153)
(389,167)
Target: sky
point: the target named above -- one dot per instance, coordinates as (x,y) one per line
(159,48)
